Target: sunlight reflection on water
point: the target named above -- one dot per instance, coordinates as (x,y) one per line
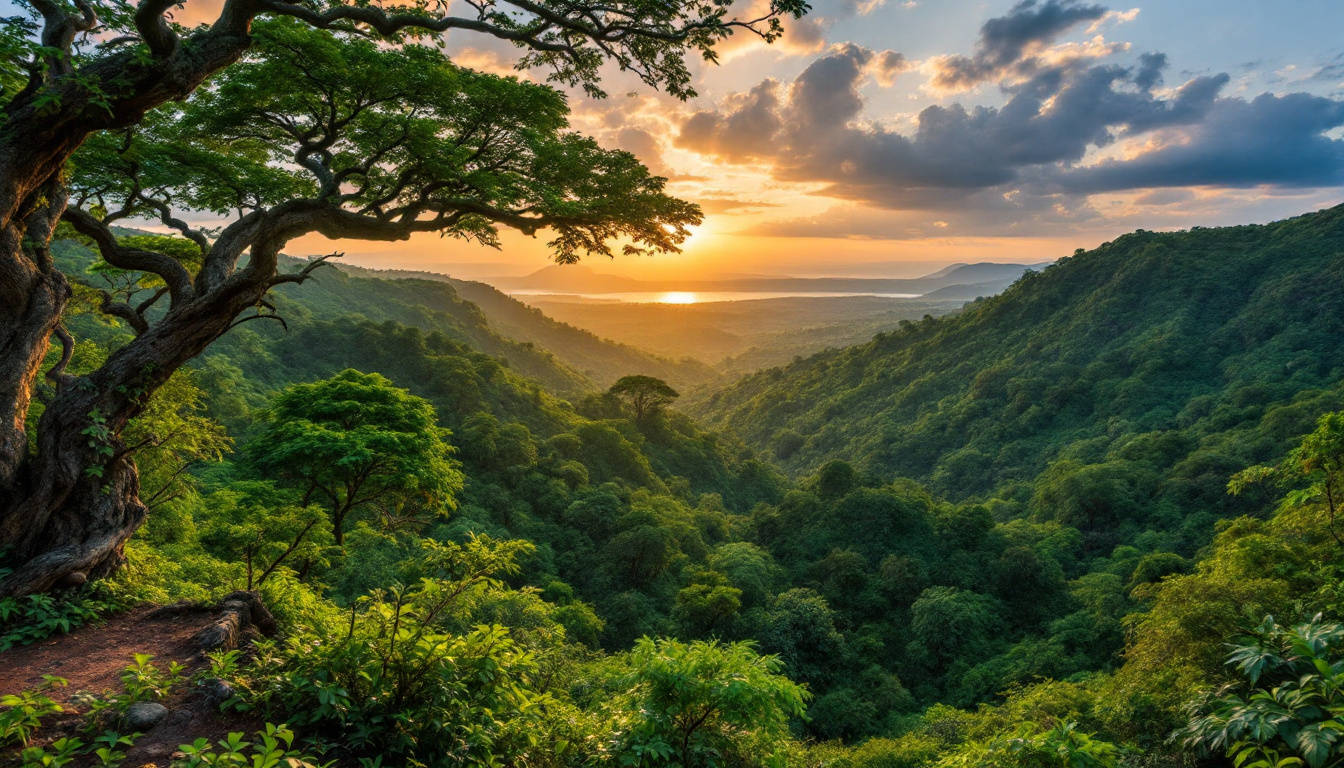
(698,297)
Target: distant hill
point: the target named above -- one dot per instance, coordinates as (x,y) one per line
(598,359)
(435,307)
(1225,340)
(608,339)
(601,360)
(741,336)
(969,292)
(571,278)
(581,279)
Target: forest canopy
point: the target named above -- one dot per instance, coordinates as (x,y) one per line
(647,590)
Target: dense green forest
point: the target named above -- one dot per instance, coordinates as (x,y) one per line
(601,360)
(1156,365)
(1022,535)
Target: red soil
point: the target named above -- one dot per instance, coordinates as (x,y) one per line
(92,658)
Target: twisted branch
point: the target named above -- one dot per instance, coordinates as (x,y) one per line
(173,274)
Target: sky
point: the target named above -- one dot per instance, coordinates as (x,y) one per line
(893,137)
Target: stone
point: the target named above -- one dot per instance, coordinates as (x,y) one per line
(217,689)
(143,715)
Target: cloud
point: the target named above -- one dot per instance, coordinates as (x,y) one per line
(886,66)
(1010,41)
(1270,140)
(743,129)
(1332,71)
(728,204)
(1064,133)
(645,146)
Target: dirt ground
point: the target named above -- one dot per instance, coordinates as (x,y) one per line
(92,658)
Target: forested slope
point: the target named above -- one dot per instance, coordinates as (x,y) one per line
(1190,338)
(597,358)
(1062,589)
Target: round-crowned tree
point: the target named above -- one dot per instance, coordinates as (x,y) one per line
(353,442)
(645,394)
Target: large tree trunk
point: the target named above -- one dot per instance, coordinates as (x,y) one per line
(33,293)
(77,499)
(67,507)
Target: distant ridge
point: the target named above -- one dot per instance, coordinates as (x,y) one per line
(945,271)
(600,360)
(581,279)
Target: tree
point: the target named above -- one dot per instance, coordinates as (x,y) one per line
(243,527)
(707,605)
(800,628)
(1030,746)
(703,704)
(309,126)
(645,394)
(1320,459)
(1288,709)
(353,441)
(949,623)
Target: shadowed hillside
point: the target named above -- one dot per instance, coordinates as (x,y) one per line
(1201,332)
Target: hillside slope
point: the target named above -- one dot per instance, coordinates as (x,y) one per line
(1202,335)
(433,307)
(741,336)
(599,359)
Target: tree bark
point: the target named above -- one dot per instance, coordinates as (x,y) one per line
(77,499)
(59,522)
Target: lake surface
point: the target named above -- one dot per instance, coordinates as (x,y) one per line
(698,297)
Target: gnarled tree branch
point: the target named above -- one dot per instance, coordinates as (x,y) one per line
(173,274)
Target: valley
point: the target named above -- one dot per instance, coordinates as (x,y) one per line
(561,384)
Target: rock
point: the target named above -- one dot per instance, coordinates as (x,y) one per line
(217,689)
(73,579)
(143,715)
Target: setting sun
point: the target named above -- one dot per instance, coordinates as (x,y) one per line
(677,297)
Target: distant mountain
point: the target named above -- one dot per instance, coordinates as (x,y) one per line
(945,270)
(599,359)
(1204,351)
(571,278)
(968,292)
(741,336)
(984,272)
(581,279)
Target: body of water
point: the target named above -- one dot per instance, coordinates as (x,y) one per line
(699,297)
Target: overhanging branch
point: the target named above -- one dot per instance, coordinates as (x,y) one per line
(173,274)
(154,29)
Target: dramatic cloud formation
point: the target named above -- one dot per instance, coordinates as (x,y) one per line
(1071,127)
(1013,40)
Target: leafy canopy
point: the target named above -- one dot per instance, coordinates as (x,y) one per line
(356,441)
(1289,707)
(646,394)
(703,704)
(341,135)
